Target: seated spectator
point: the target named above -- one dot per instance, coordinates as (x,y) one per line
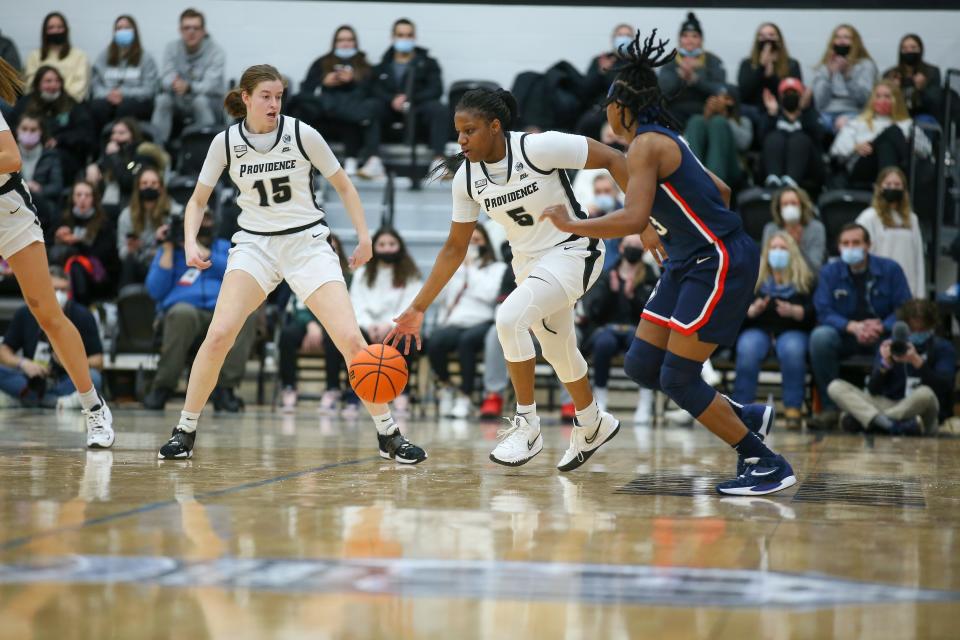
(185,297)
(467,306)
(781,318)
(793,212)
(791,135)
(719,136)
(191,78)
(408,79)
(124,155)
(878,137)
(613,305)
(144,225)
(761,73)
(41,168)
(384,287)
(895,229)
(607,198)
(694,75)
(856,301)
(919,81)
(596,84)
(125,77)
(910,390)
(303,332)
(844,78)
(334,99)
(56,51)
(85,245)
(29,369)
(67,121)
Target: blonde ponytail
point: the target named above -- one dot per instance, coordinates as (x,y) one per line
(11,85)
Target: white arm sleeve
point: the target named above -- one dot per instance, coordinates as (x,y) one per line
(465,208)
(554,150)
(318,151)
(215,162)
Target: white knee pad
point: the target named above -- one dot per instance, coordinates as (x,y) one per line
(558,340)
(514,318)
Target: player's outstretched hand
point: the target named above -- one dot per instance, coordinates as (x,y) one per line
(197,257)
(361,255)
(406,331)
(559,216)
(651,242)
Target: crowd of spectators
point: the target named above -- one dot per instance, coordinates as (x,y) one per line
(97,134)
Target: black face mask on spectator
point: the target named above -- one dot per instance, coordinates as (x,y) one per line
(389,257)
(149,194)
(57,38)
(911,59)
(790,101)
(893,196)
(841,49)
(773,44)
(632,255)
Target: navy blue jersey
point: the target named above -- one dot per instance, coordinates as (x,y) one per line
(688,211)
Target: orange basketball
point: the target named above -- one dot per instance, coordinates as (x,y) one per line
(378,373)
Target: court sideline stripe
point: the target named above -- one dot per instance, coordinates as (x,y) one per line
(153,506)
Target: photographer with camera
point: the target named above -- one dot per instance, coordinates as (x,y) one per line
(910,389)
(143,225)
(185,297)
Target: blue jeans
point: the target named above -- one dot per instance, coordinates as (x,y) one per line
(753,345)
(14,383)
(827,348)
(607,342)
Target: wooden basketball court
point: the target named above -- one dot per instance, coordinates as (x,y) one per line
(293,527)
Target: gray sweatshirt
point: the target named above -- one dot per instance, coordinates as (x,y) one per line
(839,93)
(203,69)
(135,82)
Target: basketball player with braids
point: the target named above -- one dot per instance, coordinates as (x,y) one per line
(708,277)
(283,235)
(513,177)
(21,245)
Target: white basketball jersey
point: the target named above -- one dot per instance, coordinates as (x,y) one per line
(276,187)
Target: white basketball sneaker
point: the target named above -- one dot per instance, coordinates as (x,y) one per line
(100,427)
(518,443)
(585,440)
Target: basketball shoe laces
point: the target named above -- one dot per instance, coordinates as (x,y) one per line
(575,444)
(515,424)
(96,419)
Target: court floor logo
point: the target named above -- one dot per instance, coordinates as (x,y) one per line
(594,583)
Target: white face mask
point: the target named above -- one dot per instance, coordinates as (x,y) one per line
(473,253)
(62,297)
(790,213)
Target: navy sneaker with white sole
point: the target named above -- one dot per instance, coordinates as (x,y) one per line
(760,477)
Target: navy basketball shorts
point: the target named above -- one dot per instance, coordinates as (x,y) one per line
(709,292)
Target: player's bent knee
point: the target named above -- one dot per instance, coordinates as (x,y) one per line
(642,364)
(680,379)
(220,339)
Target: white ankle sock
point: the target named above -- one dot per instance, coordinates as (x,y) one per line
(588,416)
(385,424)
(529,413)
(188,421)
(90,399)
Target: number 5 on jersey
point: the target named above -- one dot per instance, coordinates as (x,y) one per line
(520,216)
(281,191)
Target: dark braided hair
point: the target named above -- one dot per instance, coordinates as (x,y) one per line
(490,104)
(636,87)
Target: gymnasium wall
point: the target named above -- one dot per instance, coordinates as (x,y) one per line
(482,41)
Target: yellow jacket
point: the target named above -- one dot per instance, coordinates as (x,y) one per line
(75,69)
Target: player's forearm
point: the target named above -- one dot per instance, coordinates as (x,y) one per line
(617,224)
(192,217)
(448,261)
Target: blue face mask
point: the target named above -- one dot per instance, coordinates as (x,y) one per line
(123,37)
(345,52)
(852,255)
(605,202)
(404,45)
(778,259)
(690,53)
(920,338)
(620,44)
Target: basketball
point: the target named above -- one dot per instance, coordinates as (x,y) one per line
(378,373)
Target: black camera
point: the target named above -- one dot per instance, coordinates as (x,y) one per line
(175,229)
(899,339)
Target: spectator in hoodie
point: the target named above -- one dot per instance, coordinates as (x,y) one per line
(919,81)
(467,306)
(600,75)
(186,296)
(125,77)
(191,78)
(791,135)
(844,78)
(57,52)
(408,79)
(694,75)
(41,168)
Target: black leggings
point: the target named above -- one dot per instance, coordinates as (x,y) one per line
(890,149)
(291,337)
(792,154)
(467,342)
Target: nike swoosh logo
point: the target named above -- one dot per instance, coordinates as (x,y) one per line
(765,473)
(702,260)
(317,235)
(530,444)
(593,437)
(15,210)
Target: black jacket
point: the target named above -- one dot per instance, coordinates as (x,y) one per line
(809,122)
(938,372)
(771,321)
(49,173)
(597,83)
(423,81)
(605,306)
(362,72)
(752,82)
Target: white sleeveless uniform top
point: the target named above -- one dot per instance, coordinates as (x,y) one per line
(276,185)
(516,190)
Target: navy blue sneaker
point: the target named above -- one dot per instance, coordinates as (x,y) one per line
(908,427)
(759,418)
(760,477)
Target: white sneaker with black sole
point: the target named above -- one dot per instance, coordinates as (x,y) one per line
(520,442)
(100,427)
(585,440)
